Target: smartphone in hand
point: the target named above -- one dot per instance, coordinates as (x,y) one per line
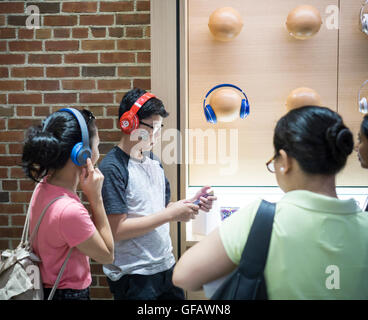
(210,193)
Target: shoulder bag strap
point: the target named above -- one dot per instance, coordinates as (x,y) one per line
(25,232)
(40,219)
(29,242)
(51,295)
(254,256)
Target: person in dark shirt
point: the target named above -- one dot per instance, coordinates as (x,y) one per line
(136,196)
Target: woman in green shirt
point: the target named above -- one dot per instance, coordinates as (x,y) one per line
(319,244)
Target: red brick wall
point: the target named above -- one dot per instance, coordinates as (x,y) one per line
(86,54)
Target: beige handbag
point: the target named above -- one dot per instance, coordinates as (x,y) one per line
(20,277)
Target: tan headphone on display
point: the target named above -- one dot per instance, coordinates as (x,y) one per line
(363,102)
(364,19)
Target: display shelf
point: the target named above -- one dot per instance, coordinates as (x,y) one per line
(242,196)
(267,64)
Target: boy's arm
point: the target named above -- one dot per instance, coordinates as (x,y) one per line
(123,228)
(114,196)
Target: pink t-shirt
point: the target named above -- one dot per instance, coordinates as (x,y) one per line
(65,224)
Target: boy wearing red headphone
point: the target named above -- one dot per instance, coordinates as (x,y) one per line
(136,197)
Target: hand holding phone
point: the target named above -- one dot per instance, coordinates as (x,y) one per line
(204,200)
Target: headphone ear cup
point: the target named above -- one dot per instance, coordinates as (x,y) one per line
(129,123)
(126,122)
(75,153)
(244,109)
(210,114)
(83,155)
(80,155)
(363,105)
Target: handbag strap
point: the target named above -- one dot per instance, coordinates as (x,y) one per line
(51,295)
(28,242)
(24,239)
(35,230)
(254,256)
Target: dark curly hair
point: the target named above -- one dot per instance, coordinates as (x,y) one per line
(48,146)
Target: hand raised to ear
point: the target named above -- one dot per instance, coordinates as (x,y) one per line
(91,181)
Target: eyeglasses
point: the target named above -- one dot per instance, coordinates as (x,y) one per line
(155,129)
(89,114)
(270,164)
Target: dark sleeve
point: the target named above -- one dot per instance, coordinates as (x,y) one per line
(167,191)
(114,189)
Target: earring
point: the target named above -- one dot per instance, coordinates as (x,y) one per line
(282,169)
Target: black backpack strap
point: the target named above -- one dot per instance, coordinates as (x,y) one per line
(254,256)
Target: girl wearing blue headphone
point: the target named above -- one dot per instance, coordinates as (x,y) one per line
(60,155)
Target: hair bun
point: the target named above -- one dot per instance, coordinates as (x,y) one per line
(345,141)
(340,140)
(46,148)
(41,150)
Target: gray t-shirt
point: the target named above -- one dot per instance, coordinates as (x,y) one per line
(138,189)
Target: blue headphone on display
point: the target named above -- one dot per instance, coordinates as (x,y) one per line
(81,151)
(210,114)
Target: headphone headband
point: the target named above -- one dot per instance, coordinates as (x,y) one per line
(129,120)
(141,101)
(209,112)
(221,86)
(82,124)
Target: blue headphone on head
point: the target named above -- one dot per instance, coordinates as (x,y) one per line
(81,151)
(210,114)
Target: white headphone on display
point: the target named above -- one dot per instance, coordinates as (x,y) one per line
(363,102)
(364,19)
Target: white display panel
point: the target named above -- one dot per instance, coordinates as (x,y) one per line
(242,196)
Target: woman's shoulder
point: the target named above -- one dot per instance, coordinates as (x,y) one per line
(59,199)
(71,205)
(243,218)
(234,230)
(248,211)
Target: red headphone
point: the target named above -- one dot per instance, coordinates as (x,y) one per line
(129,121)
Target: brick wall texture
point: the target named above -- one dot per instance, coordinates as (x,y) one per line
(86,54)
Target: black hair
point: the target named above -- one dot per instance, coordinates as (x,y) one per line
(152,107)
(48,146)
(316,137)
(364,126)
